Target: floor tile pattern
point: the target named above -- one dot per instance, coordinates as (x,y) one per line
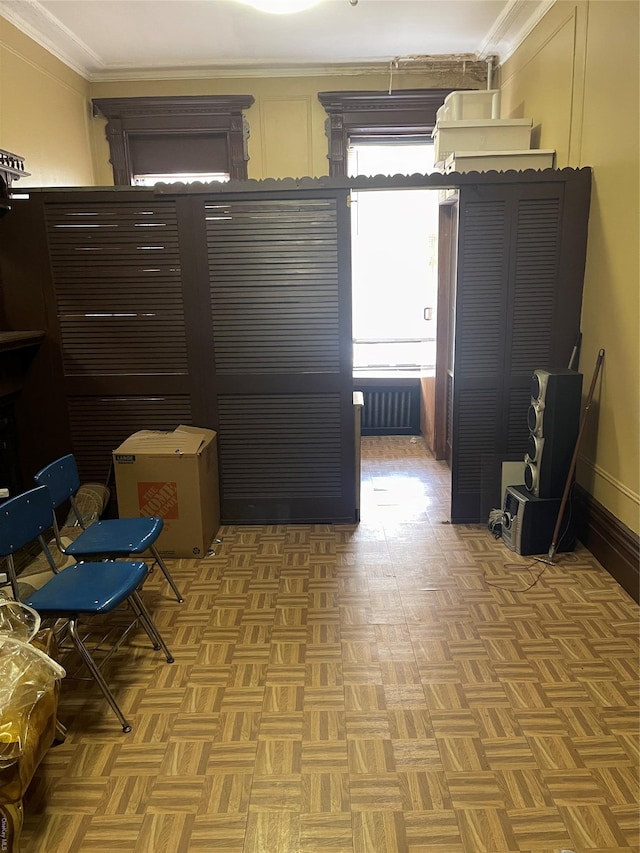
(399,686)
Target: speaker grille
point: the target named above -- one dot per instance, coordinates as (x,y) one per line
(552,419)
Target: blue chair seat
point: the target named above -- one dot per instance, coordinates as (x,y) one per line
(116,537)
(88,588)
(113,538)
(78,591)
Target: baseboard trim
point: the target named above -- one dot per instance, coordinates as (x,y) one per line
(610,541)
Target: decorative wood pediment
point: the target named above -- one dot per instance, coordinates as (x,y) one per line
(405,113)
(11,169)
(218,117)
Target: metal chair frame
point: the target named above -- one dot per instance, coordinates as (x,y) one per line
(24,519)
(63,480)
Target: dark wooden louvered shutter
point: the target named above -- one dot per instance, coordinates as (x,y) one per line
(120,317)
(281,327)
(510,320)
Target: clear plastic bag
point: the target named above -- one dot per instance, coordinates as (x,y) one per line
(18,620)
(26,673)
(29,685)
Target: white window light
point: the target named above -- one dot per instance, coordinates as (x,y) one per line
(183,177)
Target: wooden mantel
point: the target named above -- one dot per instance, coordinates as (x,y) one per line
(19,340)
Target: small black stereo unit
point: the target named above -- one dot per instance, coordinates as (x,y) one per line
(528,522)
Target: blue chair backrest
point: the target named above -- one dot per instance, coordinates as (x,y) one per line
(62,479)
(23,518)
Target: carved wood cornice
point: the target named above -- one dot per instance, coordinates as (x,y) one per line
(406,111)
(183,105)
(403,99)
(180,115)
(11,167)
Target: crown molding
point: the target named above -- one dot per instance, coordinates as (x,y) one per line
(34,21)
(201,72)
(512,26)
(515,22)
(431,66)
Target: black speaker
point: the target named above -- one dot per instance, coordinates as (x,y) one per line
(528,523)
(553,420)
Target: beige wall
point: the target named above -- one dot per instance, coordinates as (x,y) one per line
(577,76)
(287,134)
(44,113)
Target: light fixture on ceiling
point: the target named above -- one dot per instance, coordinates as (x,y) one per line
(285,7)
(280,7)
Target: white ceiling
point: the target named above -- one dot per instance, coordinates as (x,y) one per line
(146,39)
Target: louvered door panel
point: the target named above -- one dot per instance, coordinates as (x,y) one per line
(537,243)
(274,286)
(481,295)
(100,424)
(281,329)
(475,437)
(508,322)
(281,450)
(116,274)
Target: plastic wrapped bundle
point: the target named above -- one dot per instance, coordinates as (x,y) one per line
(29,686)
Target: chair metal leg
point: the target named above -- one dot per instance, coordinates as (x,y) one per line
(97,675)
(61,732)
(149,629)
(154,635)
(165,571)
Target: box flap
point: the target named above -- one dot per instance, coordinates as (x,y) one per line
(182,441)
(206,435)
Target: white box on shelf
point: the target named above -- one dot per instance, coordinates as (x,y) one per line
(500,161)
(481,135)
(470,104)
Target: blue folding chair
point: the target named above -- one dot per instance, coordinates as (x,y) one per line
(110,539)
(80,591)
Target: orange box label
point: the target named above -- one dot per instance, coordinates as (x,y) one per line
(158,499)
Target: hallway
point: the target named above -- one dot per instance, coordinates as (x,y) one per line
(400,686)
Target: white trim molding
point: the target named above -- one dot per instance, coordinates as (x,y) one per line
(35,21)
(510,29)
(512,26)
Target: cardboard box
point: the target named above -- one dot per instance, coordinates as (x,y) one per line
(499,161)
(470,104)
(480,135)
(173,475)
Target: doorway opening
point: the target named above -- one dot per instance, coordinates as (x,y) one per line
(394,245)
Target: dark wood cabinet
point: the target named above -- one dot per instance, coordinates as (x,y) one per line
(229,306)
(230,312)
(517,290)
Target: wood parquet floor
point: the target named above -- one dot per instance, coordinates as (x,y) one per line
(397,686)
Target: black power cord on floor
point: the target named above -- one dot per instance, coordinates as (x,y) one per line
(528,568)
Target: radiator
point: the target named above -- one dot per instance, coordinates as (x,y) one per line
(391,411)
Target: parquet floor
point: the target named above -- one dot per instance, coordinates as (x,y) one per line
(389,687)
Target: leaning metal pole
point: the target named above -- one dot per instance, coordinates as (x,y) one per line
(567,486)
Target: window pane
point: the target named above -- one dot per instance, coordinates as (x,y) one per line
(154,153)
(150,180)
(394,259)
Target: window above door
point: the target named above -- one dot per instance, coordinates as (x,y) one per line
(401,115)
